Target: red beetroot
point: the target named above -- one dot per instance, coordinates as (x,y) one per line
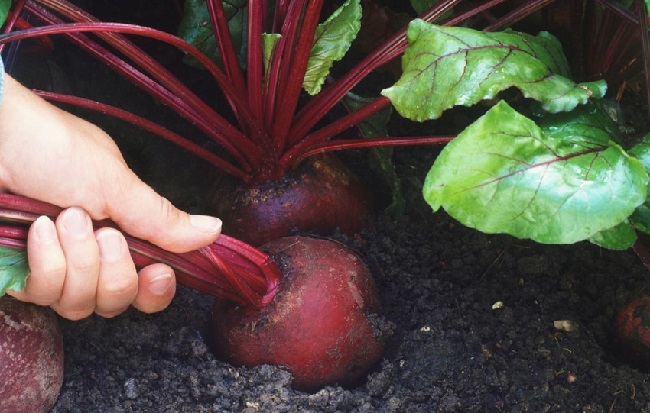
(320,324)
(317,197)
(633,331)
(31,356)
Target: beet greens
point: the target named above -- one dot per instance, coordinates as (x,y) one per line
(546,166)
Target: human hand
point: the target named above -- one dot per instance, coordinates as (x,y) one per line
(51,155)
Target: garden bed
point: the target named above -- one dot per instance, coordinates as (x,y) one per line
(473,315)
(473,323)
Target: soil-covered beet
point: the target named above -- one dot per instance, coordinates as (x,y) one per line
(31,357)
(323,325)
(474,332)
(319,196)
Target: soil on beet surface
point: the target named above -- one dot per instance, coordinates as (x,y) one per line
(472,315)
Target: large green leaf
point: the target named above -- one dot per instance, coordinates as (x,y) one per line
(4,10)
(448,66)
(13,269)
(196,28)
(331,42)
(620,237)
(506,174)
(641,217)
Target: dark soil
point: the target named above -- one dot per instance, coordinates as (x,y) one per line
(455,348)
(473,321)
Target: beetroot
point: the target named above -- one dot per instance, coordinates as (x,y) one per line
(320,324)
(317,197)
(31,356)
(633,331)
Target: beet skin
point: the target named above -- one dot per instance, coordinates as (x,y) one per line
(31,356)
(320,324)
(319,196)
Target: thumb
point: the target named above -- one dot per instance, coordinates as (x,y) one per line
(138,210)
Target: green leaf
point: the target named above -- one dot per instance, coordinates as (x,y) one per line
(13,269)
(641,151)
(620,237)
(505,174)
(331,42)
(587,123)
(448,66)
(4,10)
(196,28)
(641,216)
(269,42)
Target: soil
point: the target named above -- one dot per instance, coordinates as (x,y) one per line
(474,332)
(473,316)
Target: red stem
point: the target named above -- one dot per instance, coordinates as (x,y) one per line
(12,18)
(347,144)
(280,14)
(255,63)
(228,269)
(294,155)
(217,127)
(320,105)
(642,252)
(148,126)
(645,47)
(297,41)
(142,59)
(518,14)
(620,11)
(226,47)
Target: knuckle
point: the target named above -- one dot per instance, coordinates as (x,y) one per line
(74,314)
(85,263)
(117,286)
(109,314)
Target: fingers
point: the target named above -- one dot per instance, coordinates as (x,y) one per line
(46,262)
(156,288)
(78,271)
(141,212)
(81,252)
(117,285)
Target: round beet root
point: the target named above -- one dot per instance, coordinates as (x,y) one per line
(320,324)
(31,356)
(633,331)
(321,195)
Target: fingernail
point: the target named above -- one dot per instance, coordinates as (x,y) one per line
(76,222)
(160,284)
(44,230)
(111,245)
(206,223)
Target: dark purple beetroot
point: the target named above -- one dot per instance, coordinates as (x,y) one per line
(318,197)
(320,324)
(31,357)
(633,332)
